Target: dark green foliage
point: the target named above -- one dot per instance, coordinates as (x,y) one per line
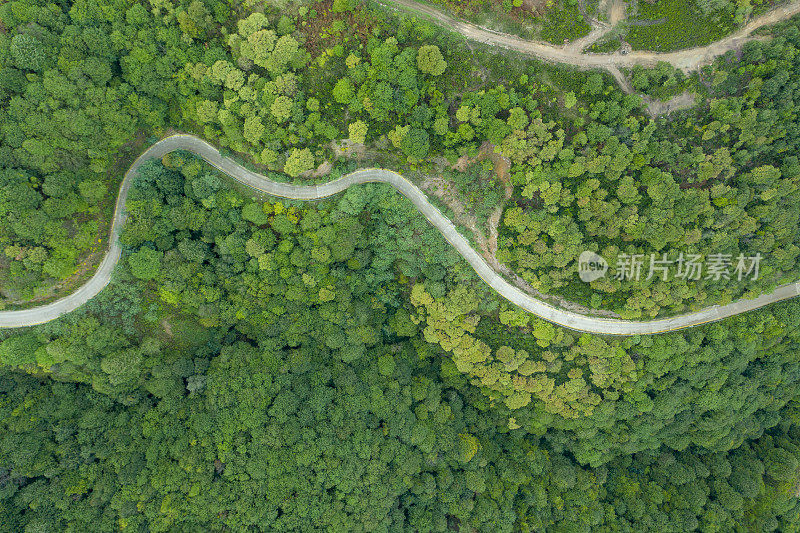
(247,436)
(66,112)
(273,366)
(269,377)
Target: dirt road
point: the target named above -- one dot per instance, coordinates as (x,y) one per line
(686,60)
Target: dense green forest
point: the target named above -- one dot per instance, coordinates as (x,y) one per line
(274,365)
(590,170)
(267,349)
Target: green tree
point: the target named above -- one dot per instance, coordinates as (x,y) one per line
(30,52)
(281,108)
(357,131)
(254,213)
(416,143)
(430,60)
(146,263)
(253,130)
(299,161)
(93,191)
(343,91)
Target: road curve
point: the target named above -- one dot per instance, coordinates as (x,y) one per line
(686,60)
(568,319)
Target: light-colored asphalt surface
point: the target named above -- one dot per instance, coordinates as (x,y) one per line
(686,60)
(569,319)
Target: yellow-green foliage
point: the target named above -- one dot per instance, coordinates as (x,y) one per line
(468,446)
(450,320)
(565,378)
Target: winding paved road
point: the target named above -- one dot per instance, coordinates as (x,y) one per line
(568,319)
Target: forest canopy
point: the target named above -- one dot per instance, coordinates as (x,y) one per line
(264,364)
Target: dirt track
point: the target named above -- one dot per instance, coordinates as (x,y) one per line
(686,60)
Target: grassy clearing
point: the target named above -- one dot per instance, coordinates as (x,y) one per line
(564,21)
(605,46)
(675,24)
(759,8)
(548,20)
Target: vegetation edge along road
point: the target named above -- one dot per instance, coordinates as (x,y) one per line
(687,60)
(568,319)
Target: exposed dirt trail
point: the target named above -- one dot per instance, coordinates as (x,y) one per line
(654,106)
(686,60)
(617,12)
(572,53)
(599,29)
